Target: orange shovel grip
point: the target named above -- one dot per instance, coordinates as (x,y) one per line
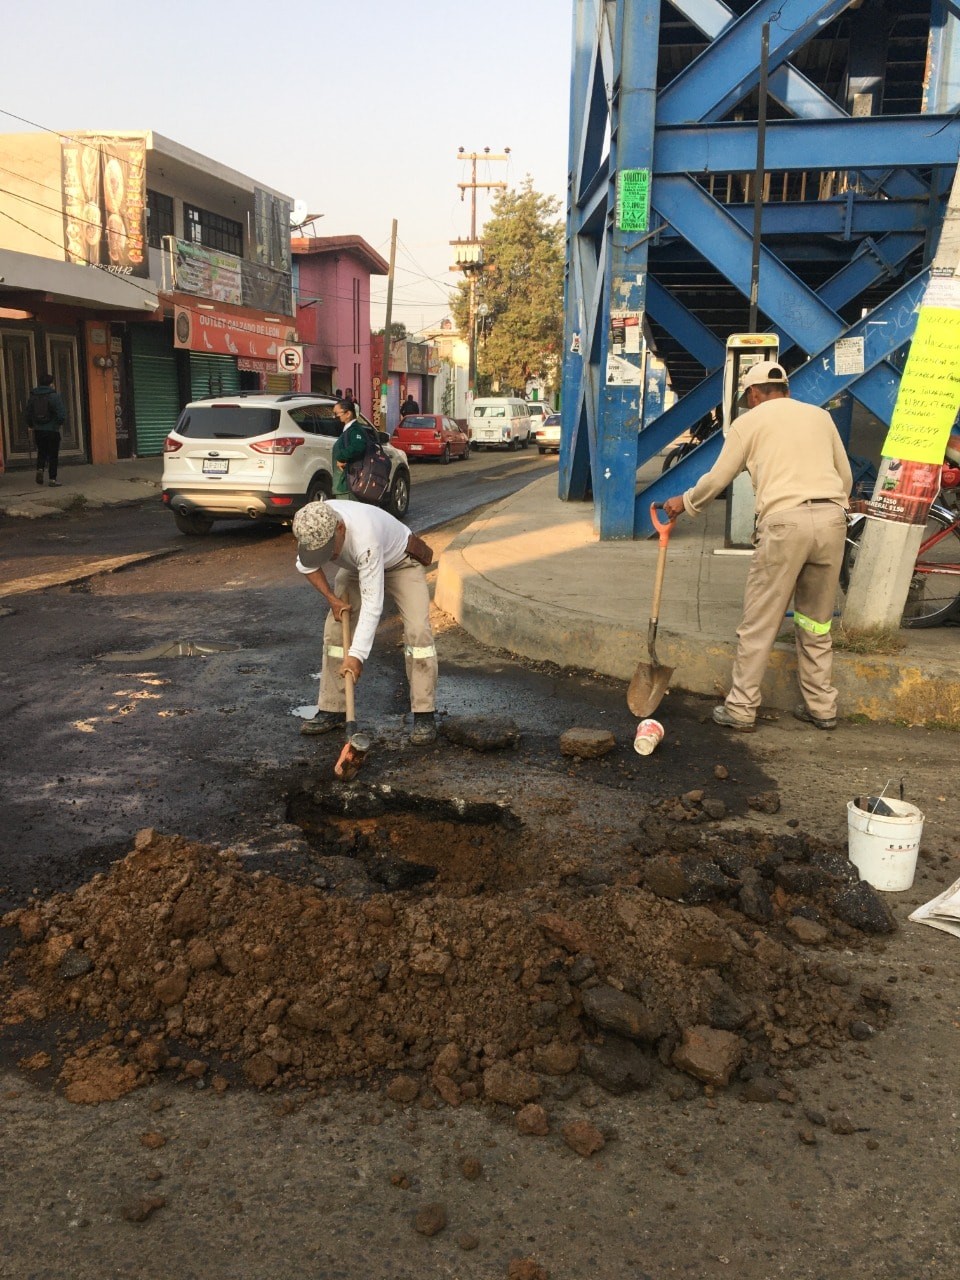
(663,529)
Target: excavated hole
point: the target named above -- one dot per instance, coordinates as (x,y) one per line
(407,841)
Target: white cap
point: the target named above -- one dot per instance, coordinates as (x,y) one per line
(314,527)
(764,371)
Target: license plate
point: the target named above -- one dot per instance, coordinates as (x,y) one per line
(215,466)
(415,448)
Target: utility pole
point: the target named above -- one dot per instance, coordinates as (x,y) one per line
(388,321)
(883,574)
(469,253)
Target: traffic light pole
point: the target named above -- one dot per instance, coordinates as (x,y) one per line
(472,250)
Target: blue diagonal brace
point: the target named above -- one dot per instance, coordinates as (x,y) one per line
(689,331)
(729,68)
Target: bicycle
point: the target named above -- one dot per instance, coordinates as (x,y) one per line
(934,596)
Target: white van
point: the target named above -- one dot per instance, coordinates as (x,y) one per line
(500,423)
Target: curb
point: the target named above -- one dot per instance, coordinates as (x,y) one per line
(878,687)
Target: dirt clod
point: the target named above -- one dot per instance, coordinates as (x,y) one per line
(584,1138)
(430,1219)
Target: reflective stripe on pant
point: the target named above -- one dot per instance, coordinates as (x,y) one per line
(798,554)
(406,586)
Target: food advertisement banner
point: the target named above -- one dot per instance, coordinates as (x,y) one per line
(207,274)
(104,202)
(224,334)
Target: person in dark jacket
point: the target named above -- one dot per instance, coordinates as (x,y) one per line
(409,406)
(349,446)
(45,415)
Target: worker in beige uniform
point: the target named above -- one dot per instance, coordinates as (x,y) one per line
(802,481)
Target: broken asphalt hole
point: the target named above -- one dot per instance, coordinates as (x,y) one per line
(176,649)
(406,841)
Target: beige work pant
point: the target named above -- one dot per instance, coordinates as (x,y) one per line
(406,586)
(799,553)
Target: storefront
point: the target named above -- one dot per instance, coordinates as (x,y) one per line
(58,318)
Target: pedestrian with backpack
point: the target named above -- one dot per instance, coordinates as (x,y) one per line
(361,468)
(45,414)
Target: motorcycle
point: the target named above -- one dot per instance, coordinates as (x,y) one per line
(708,425)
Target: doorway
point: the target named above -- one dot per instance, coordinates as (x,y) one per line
(18,377)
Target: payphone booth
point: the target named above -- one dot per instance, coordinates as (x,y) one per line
(743,351)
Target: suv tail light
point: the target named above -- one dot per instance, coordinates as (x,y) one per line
(170,445)
(279,444)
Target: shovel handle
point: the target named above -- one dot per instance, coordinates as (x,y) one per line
(348,679)
(663,528)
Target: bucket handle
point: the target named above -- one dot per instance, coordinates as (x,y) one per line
(883,793)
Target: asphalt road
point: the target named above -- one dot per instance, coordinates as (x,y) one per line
(438,494)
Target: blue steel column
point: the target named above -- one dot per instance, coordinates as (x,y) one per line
(631,147)
(613,95)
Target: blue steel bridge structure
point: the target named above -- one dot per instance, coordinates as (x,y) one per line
(860,146)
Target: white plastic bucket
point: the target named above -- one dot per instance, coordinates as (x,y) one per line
(884,848)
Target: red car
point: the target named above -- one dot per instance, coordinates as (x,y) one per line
(430,435)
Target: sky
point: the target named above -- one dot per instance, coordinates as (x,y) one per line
(358,109)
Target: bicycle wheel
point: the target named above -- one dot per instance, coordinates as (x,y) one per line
(934,596)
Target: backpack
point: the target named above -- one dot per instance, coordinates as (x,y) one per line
(368,478)
(39,409)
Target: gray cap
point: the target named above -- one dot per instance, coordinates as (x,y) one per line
(762,373)
(314,527)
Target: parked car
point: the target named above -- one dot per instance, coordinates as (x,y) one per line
(258,457)
(547,434)
(538,410)
(500,422)
(430,435)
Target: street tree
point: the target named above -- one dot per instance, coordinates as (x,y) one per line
(520,327)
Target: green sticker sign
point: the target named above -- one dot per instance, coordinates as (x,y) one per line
(633,199)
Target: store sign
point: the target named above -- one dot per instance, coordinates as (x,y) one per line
(218,332)
(206,273)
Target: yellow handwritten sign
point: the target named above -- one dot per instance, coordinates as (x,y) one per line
(929,397)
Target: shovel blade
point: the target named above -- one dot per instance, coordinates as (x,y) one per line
(647,688)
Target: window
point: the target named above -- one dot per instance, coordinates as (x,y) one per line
(212,230)
(317,420)
(159,218)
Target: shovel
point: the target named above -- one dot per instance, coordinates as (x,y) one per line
(357,744)
(650,679)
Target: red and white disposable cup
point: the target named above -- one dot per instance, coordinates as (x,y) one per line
(649,736)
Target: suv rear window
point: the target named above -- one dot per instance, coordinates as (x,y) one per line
(227,422)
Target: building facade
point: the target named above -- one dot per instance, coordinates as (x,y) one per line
(332,287)
(198,260)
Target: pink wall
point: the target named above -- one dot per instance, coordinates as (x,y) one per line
(335,331)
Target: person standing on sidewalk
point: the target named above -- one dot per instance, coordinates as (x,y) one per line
(802,481)
(375,555)
(45,414)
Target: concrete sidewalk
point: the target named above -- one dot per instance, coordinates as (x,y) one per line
(532,577)
(110,484)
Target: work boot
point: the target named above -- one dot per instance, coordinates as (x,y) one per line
(722,716)
(803,713)
(324,722)
(39,475)
(424,729)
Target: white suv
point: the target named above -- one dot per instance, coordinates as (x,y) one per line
(258,457)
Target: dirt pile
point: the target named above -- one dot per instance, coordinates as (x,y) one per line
(195,964)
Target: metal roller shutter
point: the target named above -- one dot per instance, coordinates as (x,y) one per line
(279,383)
(156,395)
(212,376)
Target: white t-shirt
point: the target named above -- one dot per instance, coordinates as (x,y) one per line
(375,542)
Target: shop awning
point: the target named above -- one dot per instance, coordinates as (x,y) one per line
(26,279)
